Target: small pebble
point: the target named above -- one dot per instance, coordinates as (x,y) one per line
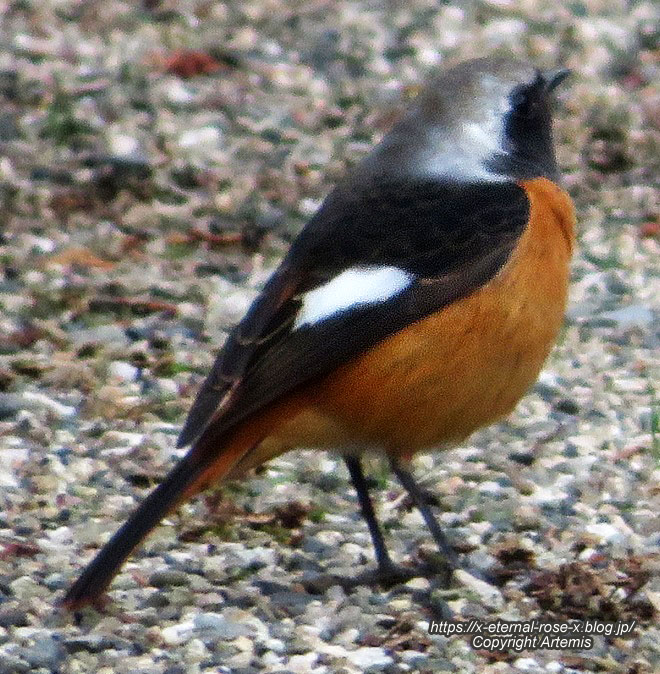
(123,371)
(606,532)
(367,658)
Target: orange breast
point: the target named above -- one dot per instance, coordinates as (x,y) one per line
(440,379)
(434,383)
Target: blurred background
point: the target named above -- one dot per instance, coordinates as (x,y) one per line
(156,158)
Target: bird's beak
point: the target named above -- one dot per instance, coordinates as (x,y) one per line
(553,78)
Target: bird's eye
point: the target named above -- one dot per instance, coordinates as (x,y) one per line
(525,97)
(519,97)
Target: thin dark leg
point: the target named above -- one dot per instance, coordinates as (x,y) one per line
(357,476)
(415,492)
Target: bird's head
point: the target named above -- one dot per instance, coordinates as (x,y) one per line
(483,119)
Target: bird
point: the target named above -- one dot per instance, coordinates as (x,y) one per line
(417,305)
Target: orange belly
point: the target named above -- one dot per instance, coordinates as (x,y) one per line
(443,377)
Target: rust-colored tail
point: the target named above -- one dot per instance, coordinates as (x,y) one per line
(211,459)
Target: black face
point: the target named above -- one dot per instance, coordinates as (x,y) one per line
(529,151)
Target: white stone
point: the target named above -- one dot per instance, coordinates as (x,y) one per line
(606,532)
(490,487)
(175,635)
(542,495)
(207,136)
(123,145)
(302,664)
(179,93)
(36,400)
(123,371)
(369,656)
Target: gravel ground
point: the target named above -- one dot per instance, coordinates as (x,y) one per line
(155,159)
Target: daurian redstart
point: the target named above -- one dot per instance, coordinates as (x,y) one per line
(418,304)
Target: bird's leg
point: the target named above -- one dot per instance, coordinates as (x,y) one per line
(385,564)
(417,496)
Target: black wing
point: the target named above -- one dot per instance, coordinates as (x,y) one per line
(452,238)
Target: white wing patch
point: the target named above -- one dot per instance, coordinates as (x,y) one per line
(354,287)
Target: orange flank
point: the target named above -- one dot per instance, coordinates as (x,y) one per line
(438,380)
